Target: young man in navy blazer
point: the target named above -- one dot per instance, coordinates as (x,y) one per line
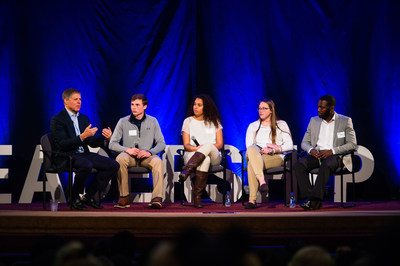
(72,133)
(328,135)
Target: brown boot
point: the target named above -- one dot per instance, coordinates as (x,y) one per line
(191,165)
(199,185)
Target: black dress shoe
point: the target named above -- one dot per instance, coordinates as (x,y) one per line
(264,188)
(250,205)
(91,202)
(306,205)
(316,205)
(78,205)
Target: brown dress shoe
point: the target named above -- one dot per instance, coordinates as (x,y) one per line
(156,203)
(124,202)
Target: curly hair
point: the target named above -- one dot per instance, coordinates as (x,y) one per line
(210,111)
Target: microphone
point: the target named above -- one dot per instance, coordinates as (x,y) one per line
(195,141)
(138,160)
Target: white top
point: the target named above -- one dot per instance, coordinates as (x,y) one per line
(325,138)
(202,132)
(283,136)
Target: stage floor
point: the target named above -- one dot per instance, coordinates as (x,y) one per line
(270,224)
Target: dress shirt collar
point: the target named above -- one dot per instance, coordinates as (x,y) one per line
(71,114)
(332,120)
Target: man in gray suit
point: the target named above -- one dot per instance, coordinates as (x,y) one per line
(328,135)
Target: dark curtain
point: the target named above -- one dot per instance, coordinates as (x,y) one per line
(239,52)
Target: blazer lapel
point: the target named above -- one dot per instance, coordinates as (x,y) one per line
(335,131)
(70,124)
(82,125)
(316,130)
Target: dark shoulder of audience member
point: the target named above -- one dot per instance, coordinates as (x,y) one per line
(44,250)
(120,248)
(312,256)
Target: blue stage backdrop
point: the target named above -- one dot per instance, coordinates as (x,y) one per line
(239,52)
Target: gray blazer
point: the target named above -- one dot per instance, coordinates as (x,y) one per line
(344,136)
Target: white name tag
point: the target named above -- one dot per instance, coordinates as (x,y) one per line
(340,135)
(133,132)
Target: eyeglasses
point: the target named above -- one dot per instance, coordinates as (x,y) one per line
(263,109)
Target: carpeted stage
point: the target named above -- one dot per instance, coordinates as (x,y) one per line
(272,224)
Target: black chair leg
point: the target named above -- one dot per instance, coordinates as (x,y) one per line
(243,187)
(354,193)
(44,179)
(114,185)
(284,189)
(341,190)
(243,192)
(70,185)
(182,193)
(354,188)
(224,188)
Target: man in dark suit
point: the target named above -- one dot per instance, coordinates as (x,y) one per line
(72,134)
(328,135)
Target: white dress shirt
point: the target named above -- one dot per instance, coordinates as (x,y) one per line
(325,137)
(74,118)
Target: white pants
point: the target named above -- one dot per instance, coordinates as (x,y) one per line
(213,157)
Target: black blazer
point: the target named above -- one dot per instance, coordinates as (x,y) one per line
(64,138)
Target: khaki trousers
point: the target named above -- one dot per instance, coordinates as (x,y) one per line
(213,157)
(154,163)
(256,164)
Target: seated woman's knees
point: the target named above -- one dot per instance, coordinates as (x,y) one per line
(206,161)
(208,145)
(252,149)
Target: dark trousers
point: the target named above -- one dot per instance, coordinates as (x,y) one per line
(308,163)
(83,163)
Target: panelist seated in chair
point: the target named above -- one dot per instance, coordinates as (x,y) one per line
(202,140)
(138,139)
(72,134)
(328,136)
(266,140)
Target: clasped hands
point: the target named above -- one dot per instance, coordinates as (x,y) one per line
(140,154)
(321,154)
(271,149)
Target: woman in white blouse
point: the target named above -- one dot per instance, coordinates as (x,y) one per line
(266,140)
(202,140)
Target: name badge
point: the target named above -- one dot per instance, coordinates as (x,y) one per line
(340,135)
(133,132)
